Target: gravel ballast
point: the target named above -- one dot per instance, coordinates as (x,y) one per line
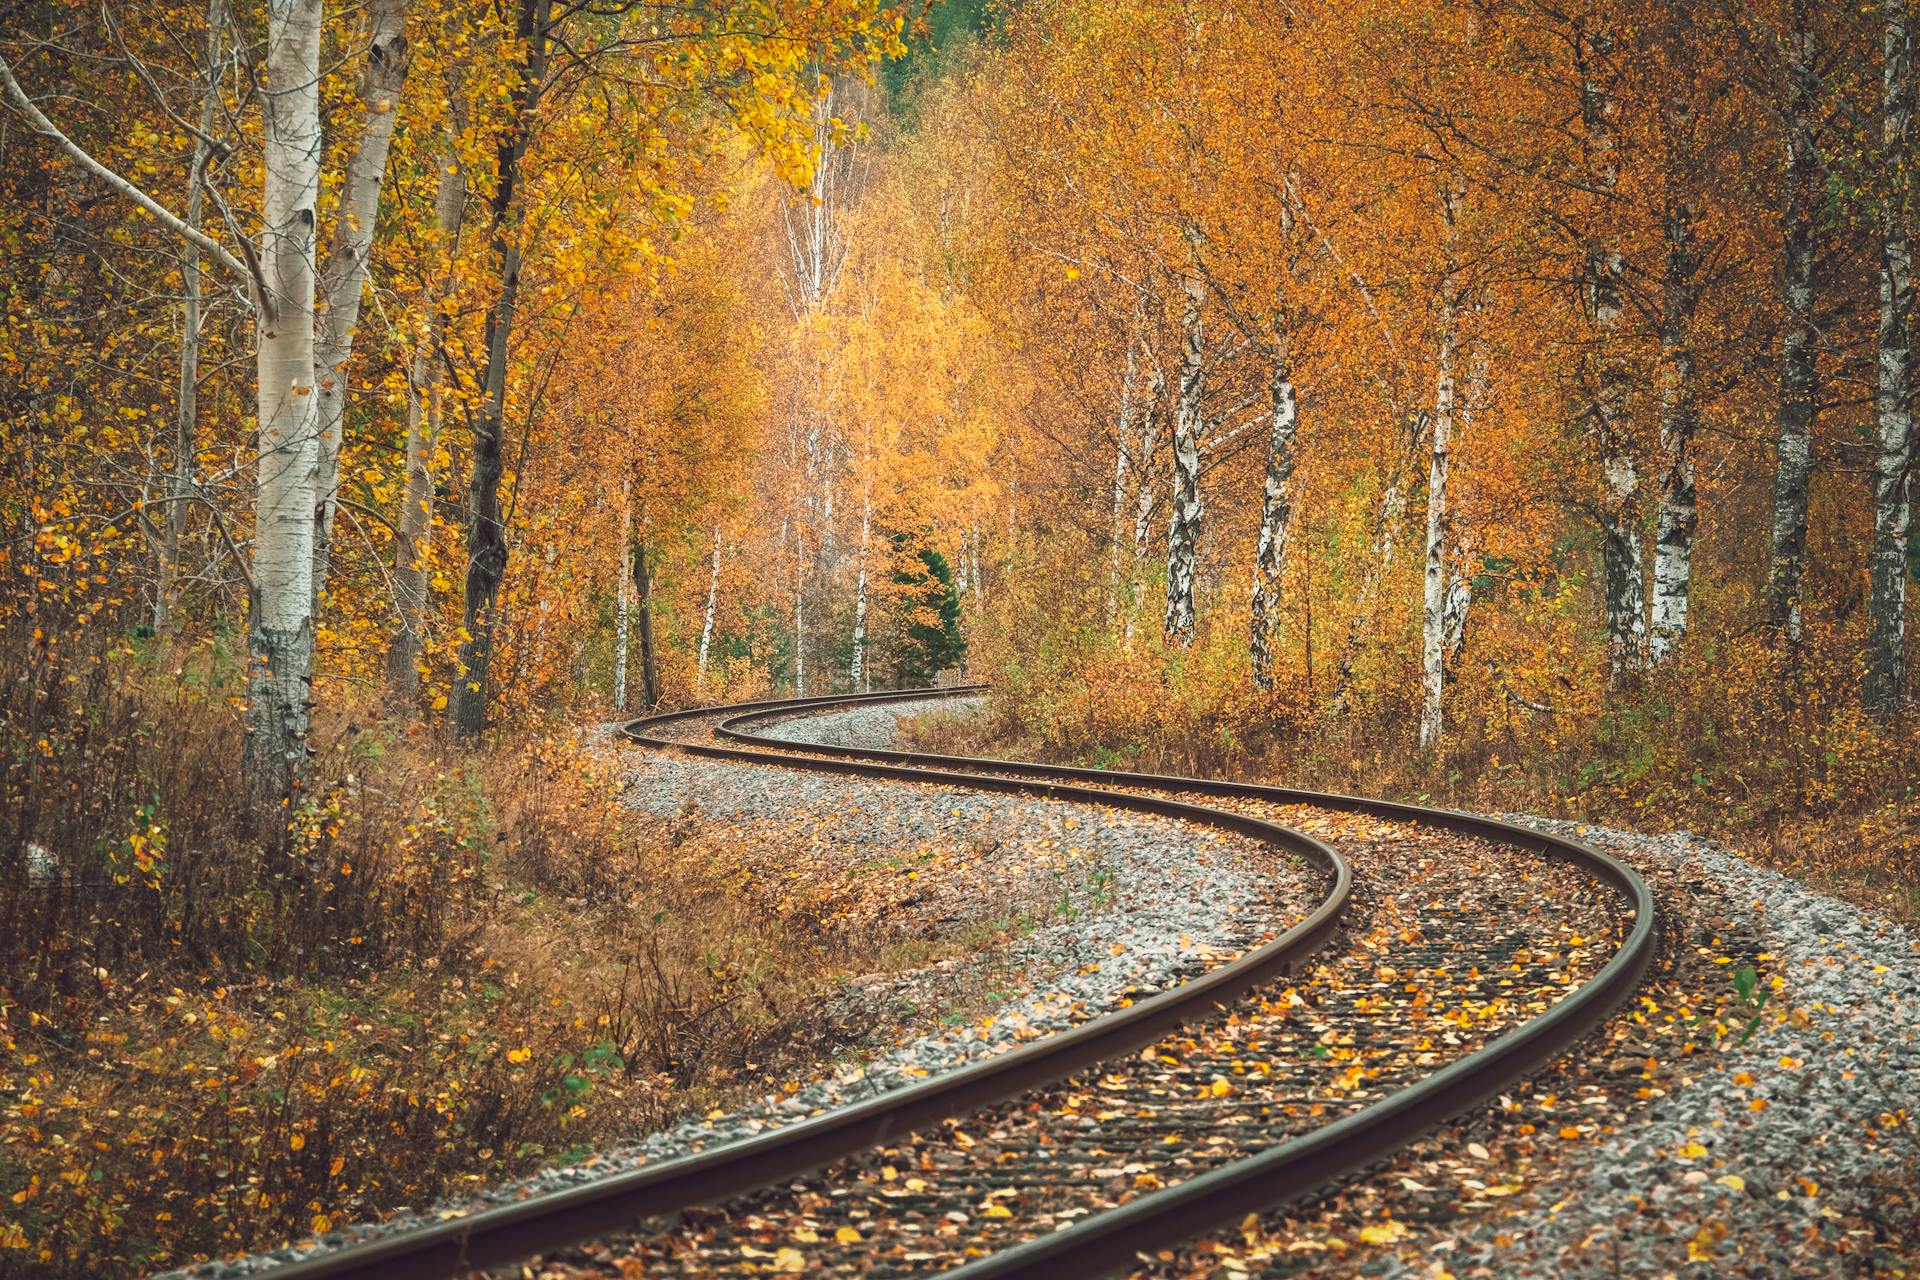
(1664,1147)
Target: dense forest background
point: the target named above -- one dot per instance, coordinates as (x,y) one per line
(1508,402)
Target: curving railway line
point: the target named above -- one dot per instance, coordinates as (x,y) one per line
(1447,956)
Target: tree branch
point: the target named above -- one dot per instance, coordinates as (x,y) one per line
(172,221)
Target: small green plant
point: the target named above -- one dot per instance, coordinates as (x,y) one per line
(1752,994)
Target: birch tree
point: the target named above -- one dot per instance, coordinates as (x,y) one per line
(279,276)
(1799,344)
(343,276)
(1183,528)
(1893,461)
(1435,595)
(1622,555)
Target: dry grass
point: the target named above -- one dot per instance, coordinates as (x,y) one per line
(1776,761)
(460,967)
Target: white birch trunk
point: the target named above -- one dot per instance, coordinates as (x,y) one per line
(280,624)
(343,277)
(857,674)
(1183,529)
(1887,591)
(1679,418)
(621,576)
(1622,552)
(1799,350)
(1276,506)
(1123,431)
(706,624)
(1435,593)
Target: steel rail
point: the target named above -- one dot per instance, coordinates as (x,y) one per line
(1110,1241)
(508,1233)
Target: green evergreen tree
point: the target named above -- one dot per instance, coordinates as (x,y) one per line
(929,637)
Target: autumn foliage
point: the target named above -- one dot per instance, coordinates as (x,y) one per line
(1503,402)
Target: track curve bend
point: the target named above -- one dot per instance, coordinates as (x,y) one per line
(1273,1135)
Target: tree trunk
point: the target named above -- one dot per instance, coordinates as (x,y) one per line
(1799,348)
(413,531)
(1622,550)
(858,670)
(1276,505)
(343,277)
(486,533)
(1183,530)
(280,622)
(1412,432)
(643,587)
(620,553)
(1435,593)
(187,411)
(1123,430)
(706,625)
(1887,594)
(1679,418)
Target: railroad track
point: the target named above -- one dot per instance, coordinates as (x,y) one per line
(1448,956)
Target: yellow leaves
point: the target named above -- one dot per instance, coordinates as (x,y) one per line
(996,1211)
(1733,1182)
(1691,1151)
(321,1224)
(1705,1241)
(1569,1132)
(519,1055)
(297,1141)
(847,1235)
(1757,1105)
(1387,1232)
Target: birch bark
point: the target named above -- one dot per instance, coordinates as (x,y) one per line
(1622,551)
(621,550)
(1799,347)
(857,672)
(1679,419)
(1123,432)
(1276,505)
(1433,621)
(706,624)
(1183,530)
(343,276)
(1887,592)
(280,623)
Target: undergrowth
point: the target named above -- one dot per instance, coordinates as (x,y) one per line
(457,966)
(1731,738)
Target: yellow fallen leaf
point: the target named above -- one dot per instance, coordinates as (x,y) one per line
(1733,1180)
(789,1259)
(996,1211)
(1384,1232)
(1692,1151)
(847,1235)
